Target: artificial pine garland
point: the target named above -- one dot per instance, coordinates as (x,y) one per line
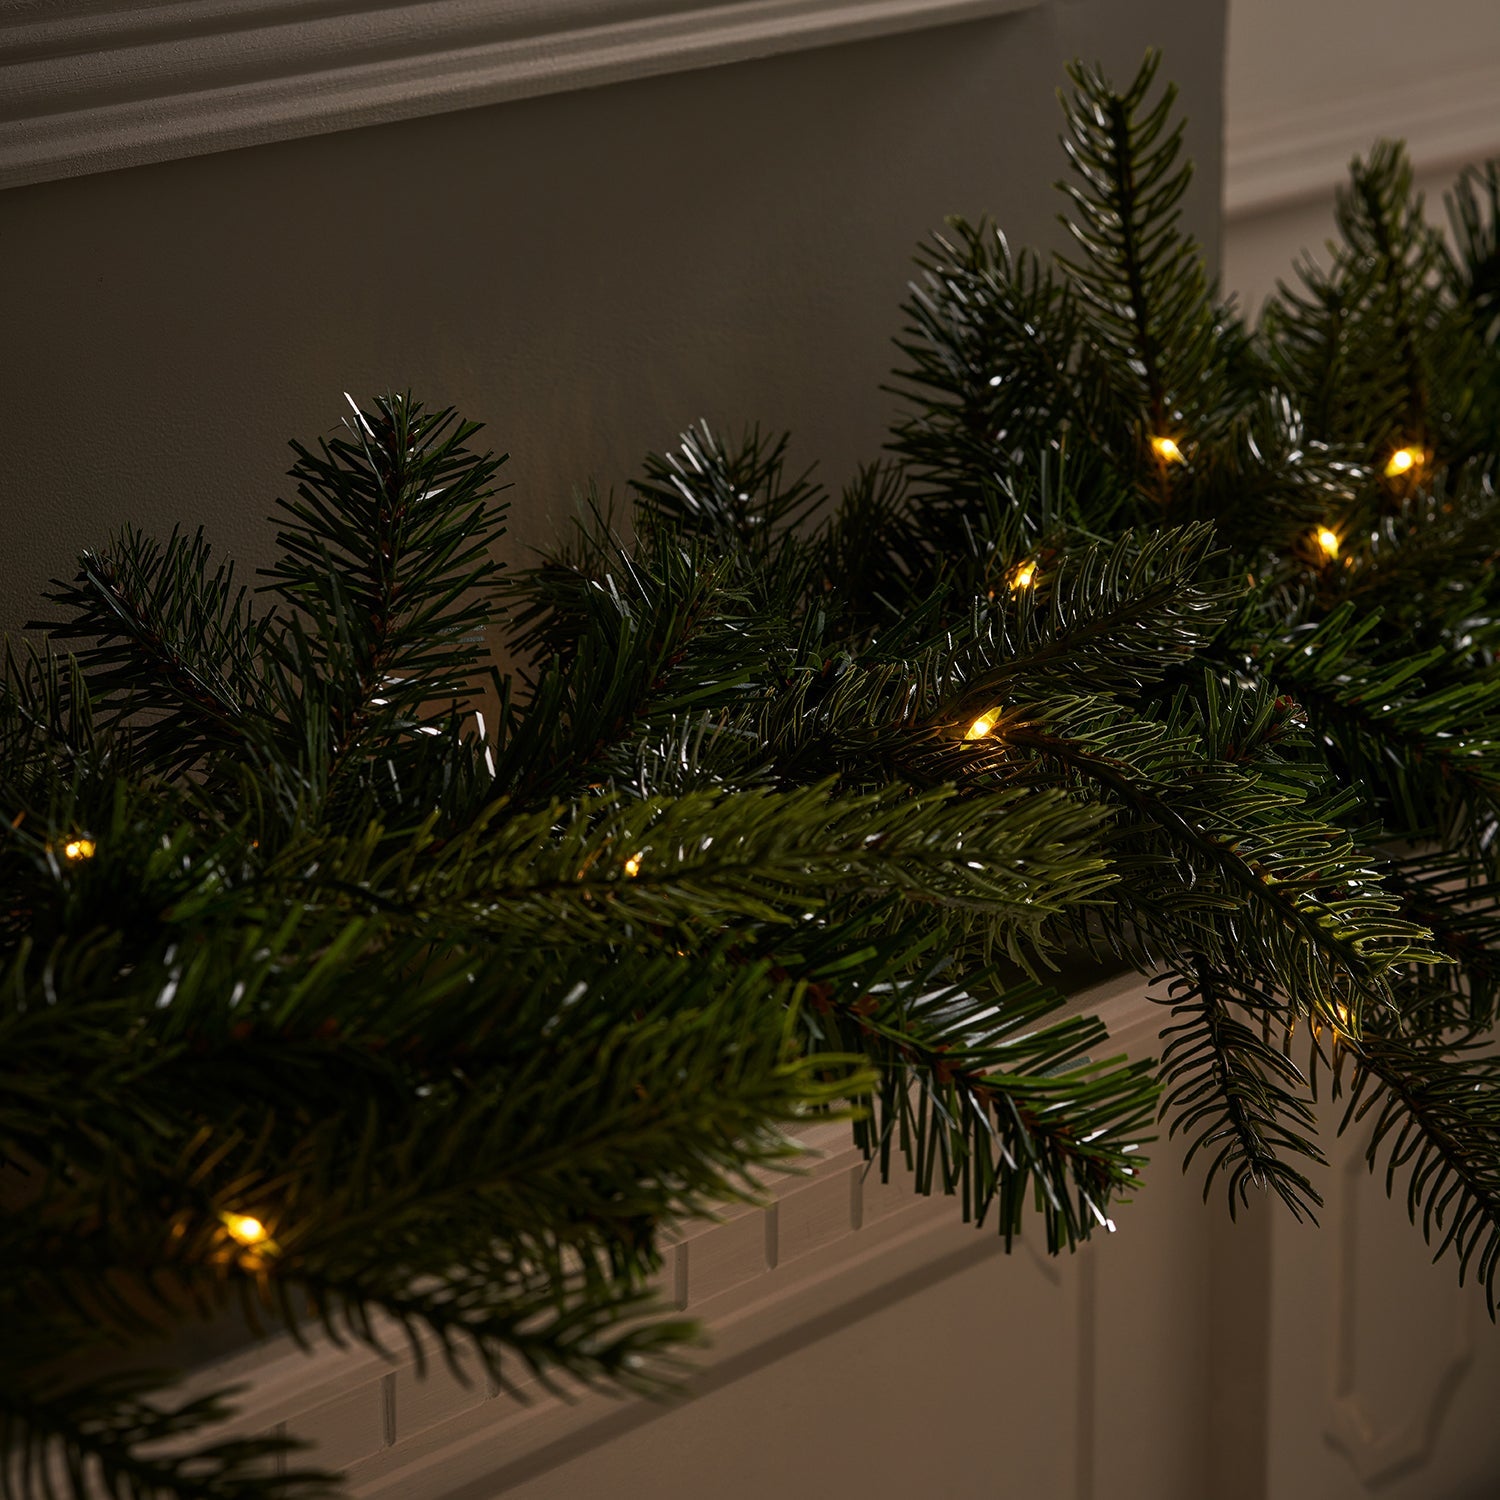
(1156,638)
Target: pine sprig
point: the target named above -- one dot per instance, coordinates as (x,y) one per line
(175,650)
(986,1096)
(386,554)
(1435,1111)
(107,1436)
(1150,314)
(1237,1097)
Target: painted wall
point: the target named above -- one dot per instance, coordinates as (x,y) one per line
(1308,86)
(587,273)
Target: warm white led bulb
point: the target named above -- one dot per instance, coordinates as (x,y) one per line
(245,1228)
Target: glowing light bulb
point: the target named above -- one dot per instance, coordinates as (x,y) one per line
(633,865)
(245,1228)
(1402,461)
(76,849)
(1328,542)
(1023,576)
(981,726)
(1341,1029)
(1167,451)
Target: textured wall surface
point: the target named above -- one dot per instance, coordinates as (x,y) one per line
(587,273)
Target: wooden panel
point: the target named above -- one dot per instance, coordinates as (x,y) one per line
(1149,1428)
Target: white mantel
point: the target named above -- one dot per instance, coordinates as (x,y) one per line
(865,1342)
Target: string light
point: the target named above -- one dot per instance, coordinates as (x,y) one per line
(1402,461)
(1167,451)
(1328,542)
(245,1229)
(633,865)
(1342,1028)
(982,726)
(1023,576)
(76,849)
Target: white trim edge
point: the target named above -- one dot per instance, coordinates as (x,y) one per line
(149,80)
(1293,155)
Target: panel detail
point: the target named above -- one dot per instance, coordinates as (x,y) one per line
(1403,1337)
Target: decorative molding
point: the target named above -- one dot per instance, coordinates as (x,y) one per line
(1272,159)
(123,82)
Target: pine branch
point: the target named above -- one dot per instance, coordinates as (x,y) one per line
(615,870)
(985,1098)
(639,639)
(738,497)
(1473,264)
(1310,908)
(106,1437)
(1436,1119)
(1431,754)
(1381,220)
(1235,1094)
(1443,893)
(992,343)
(386,555)
(1140,280)
(174,650)
(1106,617)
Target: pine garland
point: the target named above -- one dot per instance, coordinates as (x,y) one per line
(346,974)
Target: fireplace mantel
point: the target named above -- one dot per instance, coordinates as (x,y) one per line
(861,1334)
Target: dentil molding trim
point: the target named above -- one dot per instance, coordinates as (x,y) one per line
(827,1243)
(1275,158)
(89,85)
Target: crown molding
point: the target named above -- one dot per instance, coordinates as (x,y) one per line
(1273,158)
(88,87)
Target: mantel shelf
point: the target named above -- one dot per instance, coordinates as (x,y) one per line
(830,1239)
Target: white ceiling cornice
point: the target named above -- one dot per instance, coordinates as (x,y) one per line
(118,83)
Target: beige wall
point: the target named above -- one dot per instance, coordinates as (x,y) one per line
(1283,53)
(1309,85)
(587,273)
(1260,248)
